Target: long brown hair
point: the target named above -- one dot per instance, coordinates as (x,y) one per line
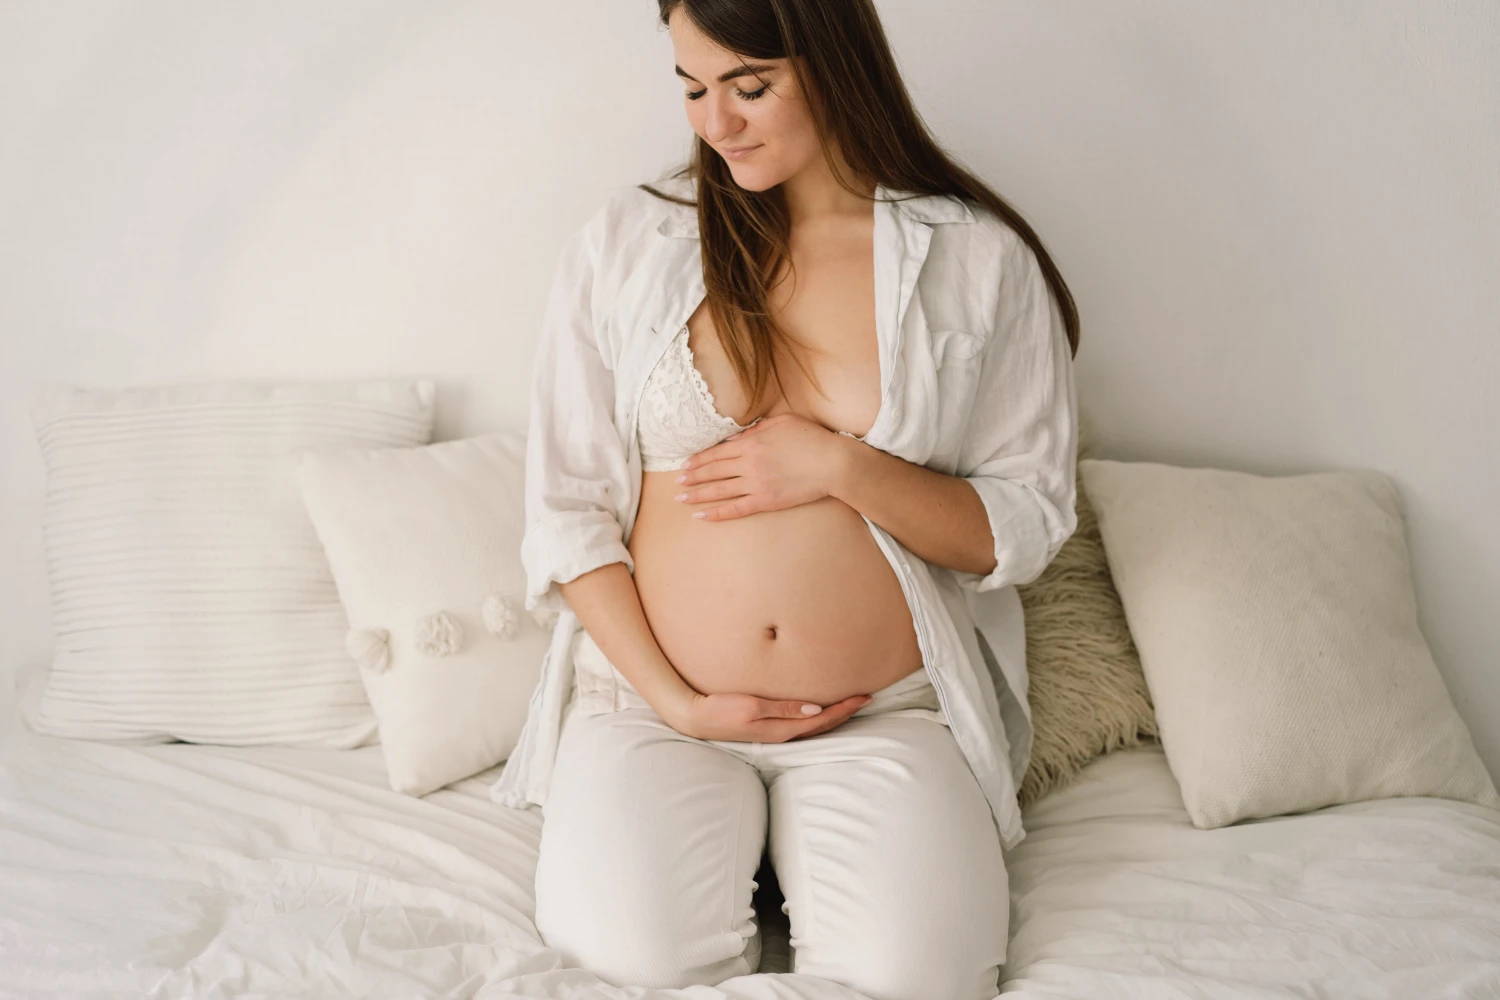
(858,101)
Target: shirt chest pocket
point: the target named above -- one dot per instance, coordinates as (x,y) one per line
(956,360)
(954,380)
(955,347)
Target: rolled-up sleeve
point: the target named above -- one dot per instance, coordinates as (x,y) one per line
(1020,451)
(576,466)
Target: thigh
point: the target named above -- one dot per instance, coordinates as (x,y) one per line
(650,843)
(889,861)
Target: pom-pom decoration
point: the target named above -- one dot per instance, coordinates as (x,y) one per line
(439,634)
(501,616)
(370,648)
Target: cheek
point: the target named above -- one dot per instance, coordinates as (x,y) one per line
(789,126)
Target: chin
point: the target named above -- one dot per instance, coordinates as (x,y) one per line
(757,179)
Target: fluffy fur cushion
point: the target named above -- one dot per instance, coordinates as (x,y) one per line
(1087,690)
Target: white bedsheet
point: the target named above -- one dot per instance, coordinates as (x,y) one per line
(176,871)
(197,871)
(1115,896)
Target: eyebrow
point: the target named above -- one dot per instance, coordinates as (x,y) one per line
(747,69)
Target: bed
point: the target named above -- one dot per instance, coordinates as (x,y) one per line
(1116,894)
(184,870)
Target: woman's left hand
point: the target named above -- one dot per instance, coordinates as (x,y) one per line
(778,462)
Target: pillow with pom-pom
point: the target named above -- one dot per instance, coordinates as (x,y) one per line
(425,547)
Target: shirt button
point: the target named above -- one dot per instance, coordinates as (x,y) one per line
(896,412)
(906,566)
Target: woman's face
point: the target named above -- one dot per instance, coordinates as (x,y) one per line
(757,109)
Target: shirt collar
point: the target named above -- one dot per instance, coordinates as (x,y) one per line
(682,220)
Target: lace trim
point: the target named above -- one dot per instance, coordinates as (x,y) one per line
(701,386)
(678,415)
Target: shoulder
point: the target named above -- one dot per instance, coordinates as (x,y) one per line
(997,260)
(974,245)
(994,272)
(631,214)
(622,248)
(990,239)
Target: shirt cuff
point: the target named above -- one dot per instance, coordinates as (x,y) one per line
(566,546)
(1027,532)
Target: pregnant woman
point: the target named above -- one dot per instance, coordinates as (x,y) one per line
(803,415)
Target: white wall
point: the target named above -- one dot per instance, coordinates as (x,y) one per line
(1281,221)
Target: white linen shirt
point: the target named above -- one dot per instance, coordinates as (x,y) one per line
(976,381)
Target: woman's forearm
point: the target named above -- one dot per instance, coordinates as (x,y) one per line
(940,518)
(607,603)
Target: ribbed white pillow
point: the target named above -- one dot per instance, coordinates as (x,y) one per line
(1277,626)
(425,544)
(191,599)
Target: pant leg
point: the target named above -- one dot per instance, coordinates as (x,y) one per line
(649,848)
(891,866)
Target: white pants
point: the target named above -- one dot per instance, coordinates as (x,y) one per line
(881,840)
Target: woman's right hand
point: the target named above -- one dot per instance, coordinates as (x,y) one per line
(746,718)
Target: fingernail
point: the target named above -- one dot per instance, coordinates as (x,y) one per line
(810,710)
(680,496)
(682,478)
(700,513)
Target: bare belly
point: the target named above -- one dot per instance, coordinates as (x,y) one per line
(796,603)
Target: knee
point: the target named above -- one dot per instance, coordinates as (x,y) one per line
(949,942)
(617,911)
(620,890)
(631,946)
(921,922)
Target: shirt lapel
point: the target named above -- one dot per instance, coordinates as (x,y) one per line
(902,237)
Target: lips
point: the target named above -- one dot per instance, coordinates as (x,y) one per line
(741,152)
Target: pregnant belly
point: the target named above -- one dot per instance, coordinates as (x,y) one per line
(795,603)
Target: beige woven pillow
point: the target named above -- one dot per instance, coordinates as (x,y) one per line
(1277,625)
(1087,692)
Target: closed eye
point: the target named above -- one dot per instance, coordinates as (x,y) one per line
(750,96)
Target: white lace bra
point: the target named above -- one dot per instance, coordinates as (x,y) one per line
(678,418)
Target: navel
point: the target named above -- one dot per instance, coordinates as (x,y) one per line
(770,631)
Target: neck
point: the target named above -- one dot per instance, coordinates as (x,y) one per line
(814,196)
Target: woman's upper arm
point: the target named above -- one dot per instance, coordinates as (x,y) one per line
(577,477)
(1020,451)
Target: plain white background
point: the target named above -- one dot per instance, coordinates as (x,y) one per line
(1281,221)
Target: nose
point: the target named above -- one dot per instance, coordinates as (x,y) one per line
(721,120)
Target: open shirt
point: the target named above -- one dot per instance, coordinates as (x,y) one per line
(976,381)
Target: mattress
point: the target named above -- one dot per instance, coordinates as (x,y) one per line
(180,870)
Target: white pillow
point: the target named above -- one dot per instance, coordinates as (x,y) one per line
(425,545)
(190,596)
(1277,625)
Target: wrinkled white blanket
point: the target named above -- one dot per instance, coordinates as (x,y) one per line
(192,871)
(197,871)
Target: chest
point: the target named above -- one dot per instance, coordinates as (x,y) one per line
(829,369)
(903,377)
